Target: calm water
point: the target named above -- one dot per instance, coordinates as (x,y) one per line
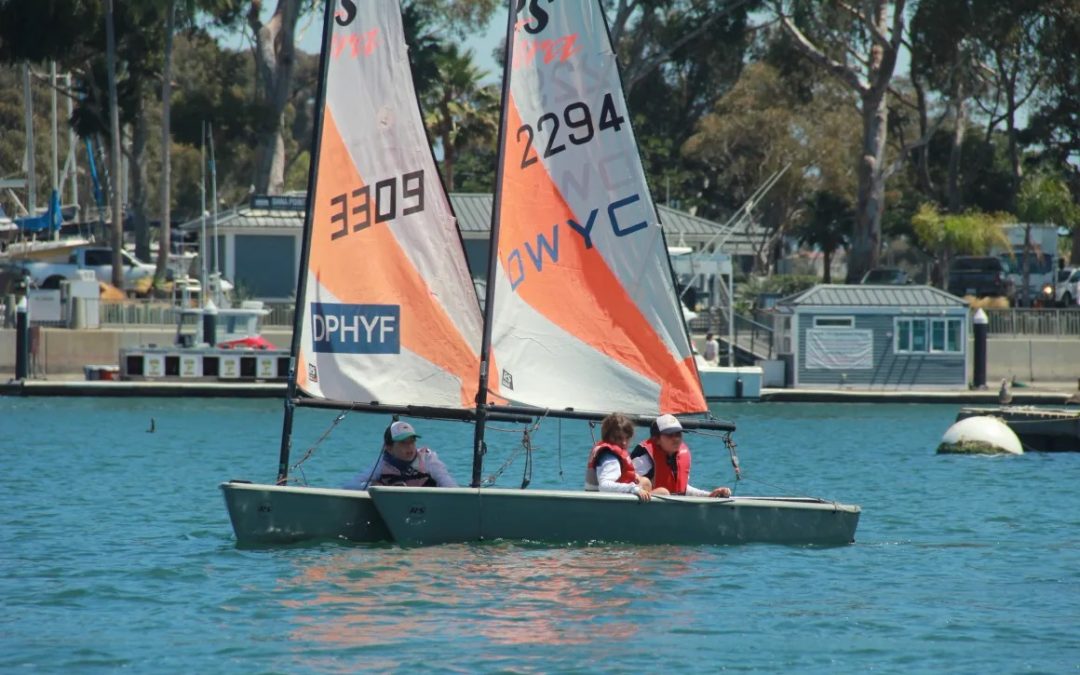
(116,552)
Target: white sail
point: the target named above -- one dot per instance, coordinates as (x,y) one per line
(390,312)
(585,311)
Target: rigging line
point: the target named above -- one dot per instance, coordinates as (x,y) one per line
(311,450)
(787,490)
(526,445)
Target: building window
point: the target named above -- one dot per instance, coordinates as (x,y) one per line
(834,322)
(934,336)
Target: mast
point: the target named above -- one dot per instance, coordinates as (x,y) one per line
(203,247)
(305,245)
(218,299)
(31,171)
(493,257)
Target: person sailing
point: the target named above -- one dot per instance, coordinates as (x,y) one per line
(402,463)
(664,459)
(609,468)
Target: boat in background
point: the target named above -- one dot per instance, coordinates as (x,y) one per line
(582,315)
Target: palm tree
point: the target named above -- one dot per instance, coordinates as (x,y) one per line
(949,234)
(461,111)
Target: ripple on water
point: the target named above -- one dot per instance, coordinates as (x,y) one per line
(117,554)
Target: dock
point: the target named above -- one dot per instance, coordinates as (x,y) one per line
(1039,429)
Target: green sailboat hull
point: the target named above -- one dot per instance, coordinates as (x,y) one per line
(268,515)
(426,516)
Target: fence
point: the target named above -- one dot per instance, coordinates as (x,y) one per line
(1048,322)
(150,313)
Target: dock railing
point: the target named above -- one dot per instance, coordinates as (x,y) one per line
(155,313)
(1029,322)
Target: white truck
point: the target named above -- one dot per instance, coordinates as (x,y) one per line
(1042,261)
(95,258)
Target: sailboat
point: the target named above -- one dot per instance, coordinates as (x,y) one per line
(581,312)
(387,317)
(580,315)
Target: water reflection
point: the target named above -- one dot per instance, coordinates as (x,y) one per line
(501,594)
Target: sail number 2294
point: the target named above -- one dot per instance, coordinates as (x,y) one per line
(578,120)
(378,202)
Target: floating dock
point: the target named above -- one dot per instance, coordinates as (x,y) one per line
(1039,429)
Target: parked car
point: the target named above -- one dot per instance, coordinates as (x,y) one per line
(979,276)
(97,259)
(1067,289)
(886,276)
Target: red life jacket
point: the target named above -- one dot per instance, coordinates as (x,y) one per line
(663,477)
(628,474)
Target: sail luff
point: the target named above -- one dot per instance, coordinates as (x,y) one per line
(493,259)
(305,244)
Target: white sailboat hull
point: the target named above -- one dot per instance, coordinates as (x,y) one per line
(425,516)
(264,515)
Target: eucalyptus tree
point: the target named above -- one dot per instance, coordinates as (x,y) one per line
(767,123)
(859,45)
(1054,126)
(944,60)
(678,57)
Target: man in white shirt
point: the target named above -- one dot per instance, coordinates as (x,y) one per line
(402,463)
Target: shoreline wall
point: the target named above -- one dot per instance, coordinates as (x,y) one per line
(64,352)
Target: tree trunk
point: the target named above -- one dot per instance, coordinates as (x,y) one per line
(166,151)
(870,204)
(275,59)
(140,182)
(826,258)
(922,153)
(956,150)
(117,230)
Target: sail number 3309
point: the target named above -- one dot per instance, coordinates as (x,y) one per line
(578,119)
(376,203)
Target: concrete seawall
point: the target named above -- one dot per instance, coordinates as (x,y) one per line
(65,351)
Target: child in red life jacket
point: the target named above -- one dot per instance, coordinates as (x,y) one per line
(402,463)
(609,468)
(665,460)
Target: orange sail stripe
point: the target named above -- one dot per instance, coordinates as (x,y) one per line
(371,266)
(580,293)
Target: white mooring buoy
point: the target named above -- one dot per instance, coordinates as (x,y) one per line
(982,435)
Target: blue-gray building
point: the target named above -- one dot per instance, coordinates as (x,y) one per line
(874,337)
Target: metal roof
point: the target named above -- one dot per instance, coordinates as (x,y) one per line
(473,212)
(474,218)
(844,295)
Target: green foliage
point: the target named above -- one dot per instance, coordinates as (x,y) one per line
(970,233)
(1046,199)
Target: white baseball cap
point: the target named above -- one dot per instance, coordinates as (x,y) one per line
(401,431)
(668,424)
